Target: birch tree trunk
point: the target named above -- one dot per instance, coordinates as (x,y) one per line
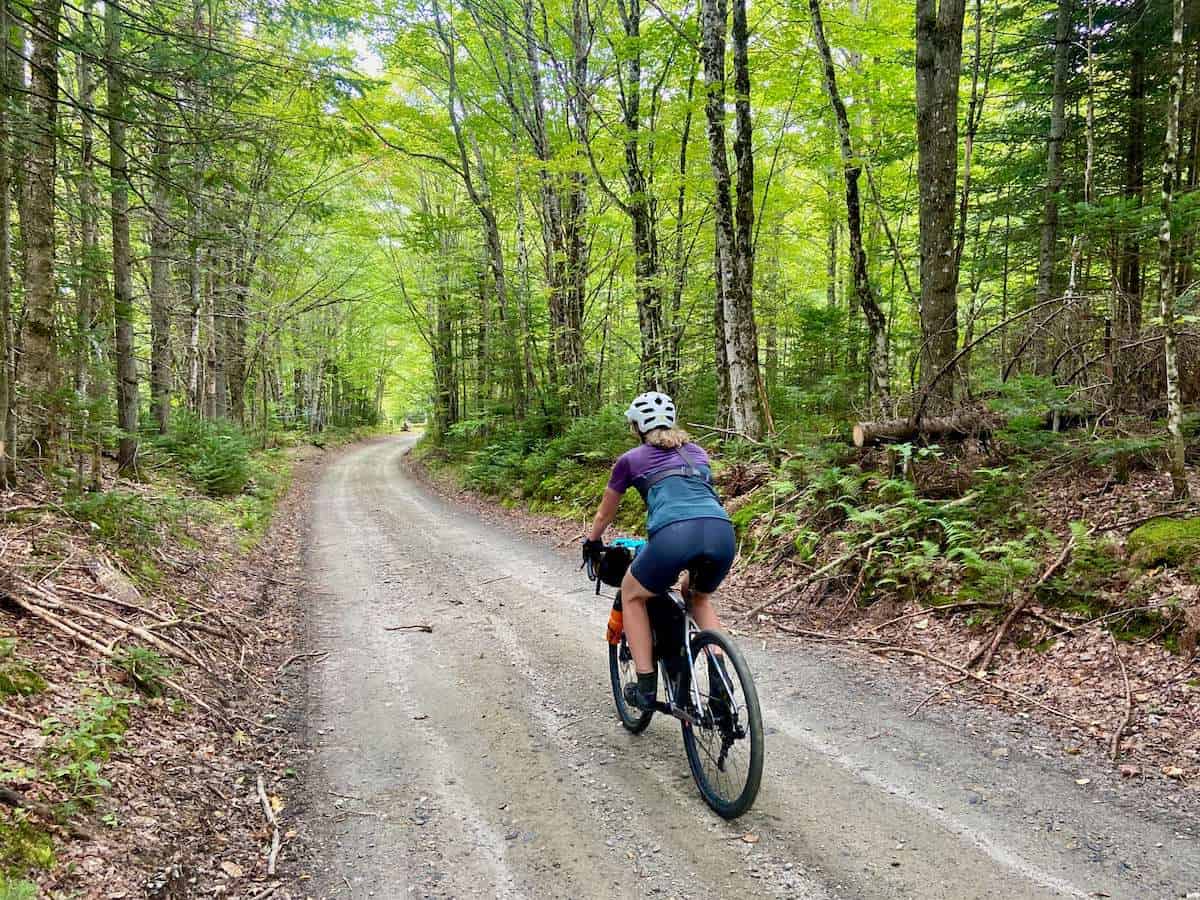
(938,68)
(734,239)
(41,367)
(126,369)
(864,291)
(1166,281)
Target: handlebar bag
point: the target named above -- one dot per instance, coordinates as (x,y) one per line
(614,562)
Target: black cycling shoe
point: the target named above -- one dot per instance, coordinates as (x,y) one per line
(638,700)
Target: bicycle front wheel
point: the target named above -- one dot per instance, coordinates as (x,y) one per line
(725,743)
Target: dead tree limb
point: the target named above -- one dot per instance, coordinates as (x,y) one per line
(1114,747)
(988,650)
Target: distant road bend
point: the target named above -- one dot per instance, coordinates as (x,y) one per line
(484,759)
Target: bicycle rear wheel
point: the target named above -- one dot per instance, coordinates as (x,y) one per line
(725,744)
(622,671)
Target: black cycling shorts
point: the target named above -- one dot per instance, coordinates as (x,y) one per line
(705,547)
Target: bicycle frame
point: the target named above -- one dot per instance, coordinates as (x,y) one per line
(690,630)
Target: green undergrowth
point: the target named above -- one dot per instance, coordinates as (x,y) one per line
(935,525)
(520,463)
(17,678)
(78,745)
(25,848)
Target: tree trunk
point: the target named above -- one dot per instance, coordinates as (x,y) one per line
(41,366)
(7,350)
(160,282)
(1129,277)
(126,369)
(938,67)
(89,283)
(1048,245)
(655,364)
(864,291)
(734,244)
(956,424)
(1166,281)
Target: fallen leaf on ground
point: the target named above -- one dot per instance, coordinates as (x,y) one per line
(232,869)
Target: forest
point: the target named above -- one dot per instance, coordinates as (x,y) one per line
(922,276)
(794,217)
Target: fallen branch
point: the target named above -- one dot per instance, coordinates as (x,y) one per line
(1114,748)
(73,631)
(12,798)
(1141,520)
(941,690)
(924,610)
(18,717)
(317,654)
(427,629)
(276,840)
(988,650)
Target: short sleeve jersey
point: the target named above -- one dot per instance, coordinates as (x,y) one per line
(672,499)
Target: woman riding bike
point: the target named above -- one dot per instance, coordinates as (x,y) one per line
(688,530)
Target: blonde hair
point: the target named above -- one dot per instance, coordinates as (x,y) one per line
(667,438)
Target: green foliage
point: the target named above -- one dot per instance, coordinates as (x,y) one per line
(18,889)
(78,750)
(1164,541)
(24,848)
(1122,454)
(214,455)
(17,678)
(147,669)
(564,475)
(1024,401)
(1095,565)
(121,519)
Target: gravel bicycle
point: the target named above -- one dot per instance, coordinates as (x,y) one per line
(708,688)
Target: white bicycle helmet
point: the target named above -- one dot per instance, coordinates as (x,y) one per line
(651,410)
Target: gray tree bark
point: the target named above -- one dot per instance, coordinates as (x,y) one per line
(126,368)
(938,68)
(734,240)
(8,419)
(40,365)
(160,283)
(1048,245)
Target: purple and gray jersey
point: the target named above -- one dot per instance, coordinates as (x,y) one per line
(672,499)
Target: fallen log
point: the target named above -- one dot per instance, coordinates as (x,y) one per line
(960,424)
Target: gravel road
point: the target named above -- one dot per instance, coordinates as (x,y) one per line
(484,759)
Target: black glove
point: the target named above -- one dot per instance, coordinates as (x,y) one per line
(592,550)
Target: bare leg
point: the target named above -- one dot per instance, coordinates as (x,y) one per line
(637,623)
(701,605)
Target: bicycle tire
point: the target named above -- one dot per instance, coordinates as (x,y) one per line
(725,806)
(633,720)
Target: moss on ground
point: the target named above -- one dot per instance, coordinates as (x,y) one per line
(24,848)
(20,680)
(1165,541)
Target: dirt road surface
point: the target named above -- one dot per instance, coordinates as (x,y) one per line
(484,758)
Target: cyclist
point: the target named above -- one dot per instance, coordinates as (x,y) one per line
(687,527)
